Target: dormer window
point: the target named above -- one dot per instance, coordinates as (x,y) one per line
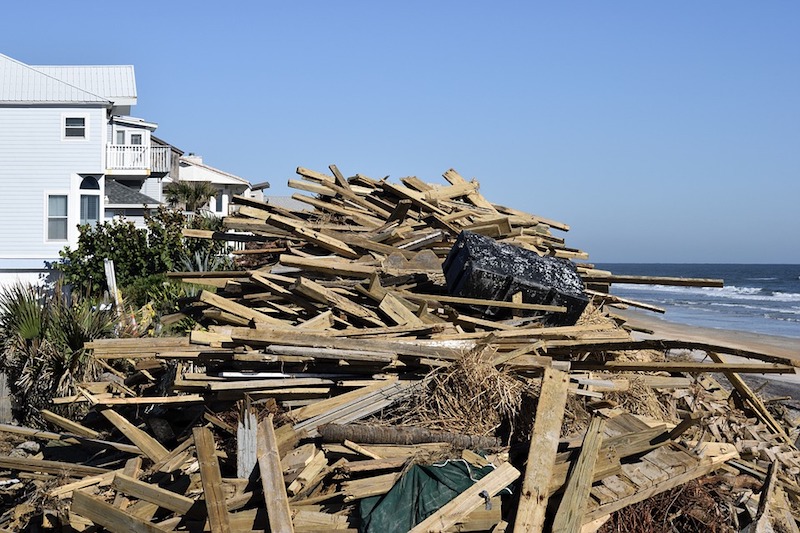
(75,127)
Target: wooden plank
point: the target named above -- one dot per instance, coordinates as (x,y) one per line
(133,468)
(149,446)
(106,515)
(461,506)
(397,312)
(153,493)
(747,394)
(664,345)
(319,293)
(47,435)
(211,479)
(542,452)
(238,309)
(477,199)
(576,494)
(437,298)
(657,280)
(691,367)
(326,265)
(69,425)
(269,464)
(356,216)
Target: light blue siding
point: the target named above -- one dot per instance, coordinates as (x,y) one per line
(35,159)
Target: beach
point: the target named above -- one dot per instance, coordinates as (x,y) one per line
(770,385)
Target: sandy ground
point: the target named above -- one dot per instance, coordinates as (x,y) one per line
(768,385)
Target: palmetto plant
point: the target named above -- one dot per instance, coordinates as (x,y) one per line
(193,195)
(42,334)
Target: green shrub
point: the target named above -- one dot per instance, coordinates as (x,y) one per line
(140,255)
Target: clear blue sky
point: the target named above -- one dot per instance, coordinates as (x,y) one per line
(660,131)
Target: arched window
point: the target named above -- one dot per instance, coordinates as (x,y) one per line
(90,201)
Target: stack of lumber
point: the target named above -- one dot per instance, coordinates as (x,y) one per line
(299,396)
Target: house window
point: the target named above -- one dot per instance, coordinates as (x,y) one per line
(90,201)
(75,127)
(90,209)
(136,138)
(57,217)
(120,137)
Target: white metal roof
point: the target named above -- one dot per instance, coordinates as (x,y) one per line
(113,82)
(133,121)
(193,170)
(23,84)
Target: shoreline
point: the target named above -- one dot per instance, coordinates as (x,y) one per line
(772,385)
(786,347)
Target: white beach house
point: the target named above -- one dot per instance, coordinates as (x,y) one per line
(70,154)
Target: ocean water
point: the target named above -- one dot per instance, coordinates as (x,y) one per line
(755,298)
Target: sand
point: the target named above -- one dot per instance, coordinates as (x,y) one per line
(770,385)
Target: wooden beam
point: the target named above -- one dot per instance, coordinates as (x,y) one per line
(576,494)
(106,515)
(657,280)
(167,499)
(691,367)
(211,479)
(238,309)
(149,446)
(269,464)
(542,453)
(751,398)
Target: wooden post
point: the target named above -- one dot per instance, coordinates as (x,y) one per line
(211,478)
(542,452)
(269,464)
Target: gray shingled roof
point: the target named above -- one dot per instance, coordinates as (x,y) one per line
(119,194)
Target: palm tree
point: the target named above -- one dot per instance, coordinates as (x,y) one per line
(193,195)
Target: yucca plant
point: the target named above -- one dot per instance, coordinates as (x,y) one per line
(43,333)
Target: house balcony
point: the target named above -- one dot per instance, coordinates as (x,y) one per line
(132,159)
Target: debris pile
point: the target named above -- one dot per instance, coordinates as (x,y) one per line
(406,357)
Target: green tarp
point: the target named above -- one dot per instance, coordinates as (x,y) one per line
(422,491)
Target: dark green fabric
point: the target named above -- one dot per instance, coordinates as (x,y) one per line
(422,491)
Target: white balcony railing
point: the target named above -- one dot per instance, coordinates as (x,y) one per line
(127,157)
(138,158)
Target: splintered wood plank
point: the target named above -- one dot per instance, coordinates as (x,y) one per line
(461,506)
(576,494)
(211,479)
(147,444)
(269,464)
(106,515)
(542,452)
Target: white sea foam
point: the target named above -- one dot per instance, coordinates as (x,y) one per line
(732,291)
